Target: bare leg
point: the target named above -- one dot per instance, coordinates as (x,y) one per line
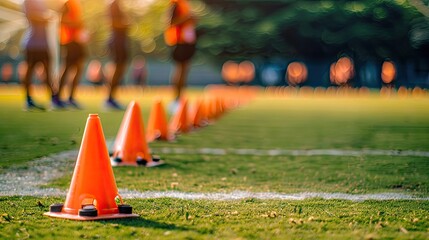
(114,83)
(27,79)
(47,66)
(116,79)
(27,86)
(179,77)
(76,79)
(63,78)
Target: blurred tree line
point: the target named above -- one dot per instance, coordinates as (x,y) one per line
(245,29)
(314,29)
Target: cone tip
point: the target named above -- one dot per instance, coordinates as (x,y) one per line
(133,104)
(93,115)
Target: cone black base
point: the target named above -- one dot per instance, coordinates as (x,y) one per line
(83,218)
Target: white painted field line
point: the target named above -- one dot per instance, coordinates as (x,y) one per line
(280,152)
(27,181)
(239,195)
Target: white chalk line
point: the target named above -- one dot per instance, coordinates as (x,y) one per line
(240,195)
(29,180)
(286,152)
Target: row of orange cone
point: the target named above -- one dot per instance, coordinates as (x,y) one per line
(131,144)
(93,193)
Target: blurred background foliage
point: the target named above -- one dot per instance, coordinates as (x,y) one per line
(314,29)
(245,29)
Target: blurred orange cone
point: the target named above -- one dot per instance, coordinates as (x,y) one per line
(220,106)
(213,108)
(206,110)
(93,193)
(130,147)
(198,114)
(157,127)
(179,123)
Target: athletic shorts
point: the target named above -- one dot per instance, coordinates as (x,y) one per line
(33,56)
(183,52)
(75,52)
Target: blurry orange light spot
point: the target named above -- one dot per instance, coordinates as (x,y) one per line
(388,72)
(7,72)
(342,71)
(109,69)
(344,64)
(94,71)
(22,69)
(40,72)
(230,71)
(296,73)
(233,72)
(246,71)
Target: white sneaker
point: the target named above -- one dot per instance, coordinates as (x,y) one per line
(173,107)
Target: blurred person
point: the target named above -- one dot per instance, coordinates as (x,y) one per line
(94,73)
(139,71)
(118,50)
(181,36)
(37,50)
(73,38)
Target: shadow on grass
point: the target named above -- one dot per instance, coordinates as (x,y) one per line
(141,222)
(182,162)
(146,223)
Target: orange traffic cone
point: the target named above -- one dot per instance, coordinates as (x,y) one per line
(206,110)
(198,114)
(213,108)
(157,127)
(179,123)
(93,193)
(130,147)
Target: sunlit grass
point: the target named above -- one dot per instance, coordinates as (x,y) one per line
(244,219)
(267,122)
(286,174)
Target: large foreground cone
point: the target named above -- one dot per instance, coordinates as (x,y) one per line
(93,193)
(157,128)
(130,147)
(179,123)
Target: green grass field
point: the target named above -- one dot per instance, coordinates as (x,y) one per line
(268,122)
